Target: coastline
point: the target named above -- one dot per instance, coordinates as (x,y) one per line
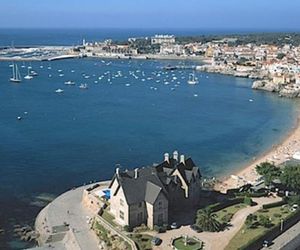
(280,152)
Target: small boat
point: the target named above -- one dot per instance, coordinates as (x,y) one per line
(250,100)
(61,75)
(16,77)
(83,86)
(19,118)
(169,67)
(28,77)
(33,73)
(69,83)
(192,79)
(59,91)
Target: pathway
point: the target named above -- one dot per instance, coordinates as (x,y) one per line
(67,208)
(216,240)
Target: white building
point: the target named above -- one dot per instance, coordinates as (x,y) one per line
(163,39)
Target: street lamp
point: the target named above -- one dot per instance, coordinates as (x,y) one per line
(281,225)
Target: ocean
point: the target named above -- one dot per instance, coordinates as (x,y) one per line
(131,114)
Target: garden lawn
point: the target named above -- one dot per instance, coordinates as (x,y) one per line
(229,210)
(192,244)
(143,241)
(247,234)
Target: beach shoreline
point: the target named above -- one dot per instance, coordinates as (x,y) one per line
(280,152)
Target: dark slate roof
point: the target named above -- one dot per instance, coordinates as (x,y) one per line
(135,189)
(153,180)
(152,192)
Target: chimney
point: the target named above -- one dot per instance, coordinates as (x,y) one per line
(182,159)
(166,156)
(175,155)
(117,171)
(136,173)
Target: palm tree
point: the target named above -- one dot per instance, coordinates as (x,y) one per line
(207,221)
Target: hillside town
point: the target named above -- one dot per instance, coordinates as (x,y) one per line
(274,66)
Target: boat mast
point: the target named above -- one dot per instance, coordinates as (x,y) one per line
(18,77)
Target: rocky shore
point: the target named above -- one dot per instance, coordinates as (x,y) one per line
(262,81)
(287,90)
(25,233)
(231,71)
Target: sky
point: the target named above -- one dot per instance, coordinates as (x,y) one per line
(195,14)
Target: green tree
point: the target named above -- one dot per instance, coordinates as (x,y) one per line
(250,220)
(280,56)
(291,177)
(265,221)
(269,172)
(207,221)
(248,200)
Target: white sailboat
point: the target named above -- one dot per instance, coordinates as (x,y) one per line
(192,79)
(83,86)
(28,77)
(16,74)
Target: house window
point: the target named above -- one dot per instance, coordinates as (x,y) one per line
(122,215)
(121,202)
(160,205)
(140,204)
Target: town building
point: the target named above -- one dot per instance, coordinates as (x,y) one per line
(149,195)
(163,39)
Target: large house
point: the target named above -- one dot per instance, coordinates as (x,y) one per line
(148,195)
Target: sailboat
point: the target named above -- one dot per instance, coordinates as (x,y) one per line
(28,77)
(16,74)
(192,79)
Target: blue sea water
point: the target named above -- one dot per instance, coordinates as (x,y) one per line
(68,139)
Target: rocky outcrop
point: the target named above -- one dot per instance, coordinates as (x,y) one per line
(265,85)
(288,90)
(25,233)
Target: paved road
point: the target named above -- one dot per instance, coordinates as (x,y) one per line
(68,208)
(216,240)
(289,240)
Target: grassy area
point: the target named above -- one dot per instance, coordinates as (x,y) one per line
(111,241)
(247,234)
(192,244)
(109,218)
(143,241)
(228,212)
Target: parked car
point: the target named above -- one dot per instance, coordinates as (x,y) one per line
(196,228)
(156,241)
(266,243)
(174,225)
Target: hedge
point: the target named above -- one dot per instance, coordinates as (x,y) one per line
(275,204)
(218,206)
(254,195)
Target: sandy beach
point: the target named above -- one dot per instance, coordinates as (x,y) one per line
(278,154)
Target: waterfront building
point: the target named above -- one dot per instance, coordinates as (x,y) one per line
(172,49)
(163,39)
(148,195)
